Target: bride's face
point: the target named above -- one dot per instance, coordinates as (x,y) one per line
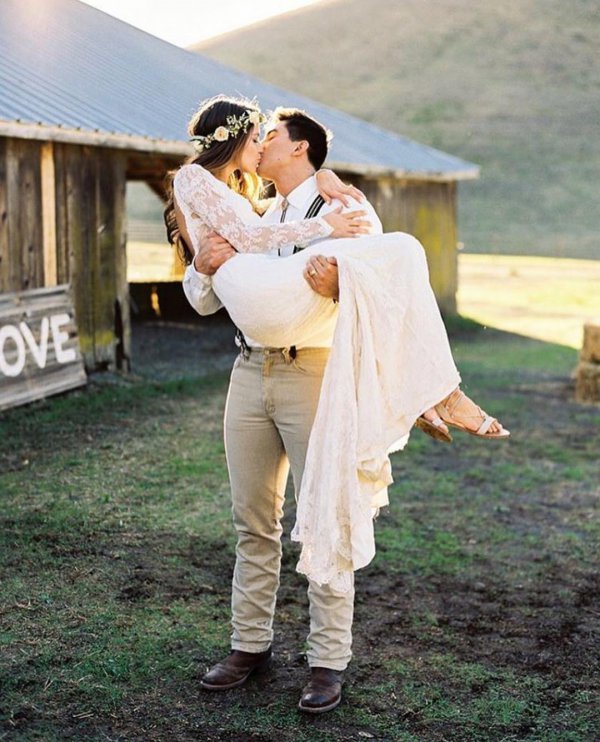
(250,155)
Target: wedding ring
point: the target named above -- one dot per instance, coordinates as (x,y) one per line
(312,272)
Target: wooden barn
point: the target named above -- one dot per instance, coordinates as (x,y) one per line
(94,103)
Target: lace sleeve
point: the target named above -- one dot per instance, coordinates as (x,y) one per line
(201,197)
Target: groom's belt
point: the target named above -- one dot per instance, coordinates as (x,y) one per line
(288,354)
(246,349)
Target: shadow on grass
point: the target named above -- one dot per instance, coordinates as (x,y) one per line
(475,620)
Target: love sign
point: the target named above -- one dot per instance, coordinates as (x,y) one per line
(39,348)
(23,339)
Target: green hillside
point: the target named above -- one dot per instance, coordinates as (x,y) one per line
(513,86)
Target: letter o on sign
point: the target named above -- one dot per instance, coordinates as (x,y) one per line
(10,332)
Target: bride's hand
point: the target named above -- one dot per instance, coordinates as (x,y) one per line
(330,187)
(350,224)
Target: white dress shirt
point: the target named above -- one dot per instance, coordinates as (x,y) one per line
(198,286)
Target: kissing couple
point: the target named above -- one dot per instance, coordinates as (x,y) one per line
(342,351)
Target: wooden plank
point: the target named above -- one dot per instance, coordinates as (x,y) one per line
(432,220)
(81,137)
(121,304)
(81,197)
(91,236)
(14,247)
(49,214)
(63,271)
(24,207)
(39,348)
(4,239)
(30,209)
(105,256)
(428,211)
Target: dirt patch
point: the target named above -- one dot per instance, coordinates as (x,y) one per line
(172,350)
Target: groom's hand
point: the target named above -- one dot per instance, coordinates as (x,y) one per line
(214,251)
(321,274)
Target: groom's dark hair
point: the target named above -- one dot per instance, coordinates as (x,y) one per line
(302,127)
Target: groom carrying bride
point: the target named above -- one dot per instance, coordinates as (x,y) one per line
(271,405)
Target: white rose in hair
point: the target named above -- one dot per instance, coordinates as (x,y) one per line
(254,118)
(221,134)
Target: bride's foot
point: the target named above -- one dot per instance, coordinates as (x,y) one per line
(432,424)
(461,412)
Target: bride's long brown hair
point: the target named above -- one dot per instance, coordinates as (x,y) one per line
(212,114)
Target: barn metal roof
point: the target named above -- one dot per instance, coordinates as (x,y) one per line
(69,71)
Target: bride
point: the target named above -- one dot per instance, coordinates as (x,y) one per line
(390,365)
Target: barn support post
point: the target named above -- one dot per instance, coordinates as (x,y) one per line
(48,178)
(79,194)
(112,290)
(4,240)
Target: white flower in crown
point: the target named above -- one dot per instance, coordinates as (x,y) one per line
(235,124)
(221,134)
(255,117)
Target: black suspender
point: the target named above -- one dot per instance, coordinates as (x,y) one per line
(315,207)
(312,211)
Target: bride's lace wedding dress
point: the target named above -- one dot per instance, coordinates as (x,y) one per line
(390,359)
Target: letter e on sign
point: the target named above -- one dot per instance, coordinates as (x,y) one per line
(63,355)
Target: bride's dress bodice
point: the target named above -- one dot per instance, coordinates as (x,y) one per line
(265,295)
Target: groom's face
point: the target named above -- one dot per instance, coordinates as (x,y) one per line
(277,153)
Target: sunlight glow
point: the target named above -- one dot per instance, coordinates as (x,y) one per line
(187,22)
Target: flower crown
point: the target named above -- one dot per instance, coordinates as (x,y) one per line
(235,124)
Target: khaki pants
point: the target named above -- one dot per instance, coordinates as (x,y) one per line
(271,405)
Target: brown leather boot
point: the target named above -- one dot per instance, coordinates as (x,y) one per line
(235,669)
(324,692)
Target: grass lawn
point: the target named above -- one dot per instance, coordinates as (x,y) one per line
(477,620)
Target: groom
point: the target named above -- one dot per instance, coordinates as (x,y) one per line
(271,404)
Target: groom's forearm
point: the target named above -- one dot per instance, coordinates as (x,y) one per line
(214,251)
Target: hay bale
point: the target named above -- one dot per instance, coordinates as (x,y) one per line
(591,342)
(587,388)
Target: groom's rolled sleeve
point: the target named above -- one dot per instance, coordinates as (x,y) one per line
(198,290)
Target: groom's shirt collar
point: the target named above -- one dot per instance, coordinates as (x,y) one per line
(301,193)
(298,198)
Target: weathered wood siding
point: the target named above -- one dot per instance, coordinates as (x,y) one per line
(87,227)
(427,210)
(21,256)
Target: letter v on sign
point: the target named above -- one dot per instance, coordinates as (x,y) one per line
(39,352)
